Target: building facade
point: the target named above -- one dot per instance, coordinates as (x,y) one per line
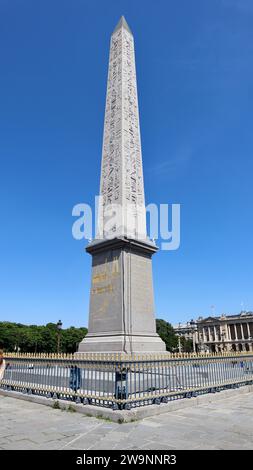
(217,334)
(188,331)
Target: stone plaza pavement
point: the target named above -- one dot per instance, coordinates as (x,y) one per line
(225,424)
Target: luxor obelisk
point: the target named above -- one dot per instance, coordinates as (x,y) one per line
(121,316)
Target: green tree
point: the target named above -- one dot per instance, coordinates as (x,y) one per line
(167,334)
(71,337)
(186,344)
(33,338)
(11,334)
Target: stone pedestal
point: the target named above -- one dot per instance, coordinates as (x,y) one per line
(121,317)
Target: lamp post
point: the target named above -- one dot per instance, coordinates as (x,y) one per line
(59,327)
(194,334)
(179,344)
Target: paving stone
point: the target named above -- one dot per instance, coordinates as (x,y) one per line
(157,446)
(227,424)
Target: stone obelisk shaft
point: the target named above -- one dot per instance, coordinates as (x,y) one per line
(121,181)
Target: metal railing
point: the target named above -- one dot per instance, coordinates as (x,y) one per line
(124,382)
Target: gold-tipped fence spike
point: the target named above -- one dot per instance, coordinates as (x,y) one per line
(120,357)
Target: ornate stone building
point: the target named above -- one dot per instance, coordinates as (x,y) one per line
(224,333)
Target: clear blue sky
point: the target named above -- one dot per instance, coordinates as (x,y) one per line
(195,83)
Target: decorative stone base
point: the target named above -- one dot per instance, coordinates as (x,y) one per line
(122,344)
(121,314)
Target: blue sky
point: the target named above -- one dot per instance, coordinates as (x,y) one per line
(195,84)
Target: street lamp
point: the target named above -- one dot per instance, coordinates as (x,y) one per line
(194,334)
(179,344)
(59,327)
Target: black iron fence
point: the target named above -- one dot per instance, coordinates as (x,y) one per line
(124,382)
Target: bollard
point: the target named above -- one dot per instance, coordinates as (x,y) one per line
(157,401)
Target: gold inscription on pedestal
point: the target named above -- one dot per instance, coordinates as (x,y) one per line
(99,277)
(105,277)
(101,290)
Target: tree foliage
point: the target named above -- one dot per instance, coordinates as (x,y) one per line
(166,332)
(33,338)
(186,345)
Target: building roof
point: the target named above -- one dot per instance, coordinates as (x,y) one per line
(224,317)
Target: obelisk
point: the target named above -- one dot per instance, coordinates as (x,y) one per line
(121,314)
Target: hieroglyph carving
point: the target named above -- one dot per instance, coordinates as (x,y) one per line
(122,207)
